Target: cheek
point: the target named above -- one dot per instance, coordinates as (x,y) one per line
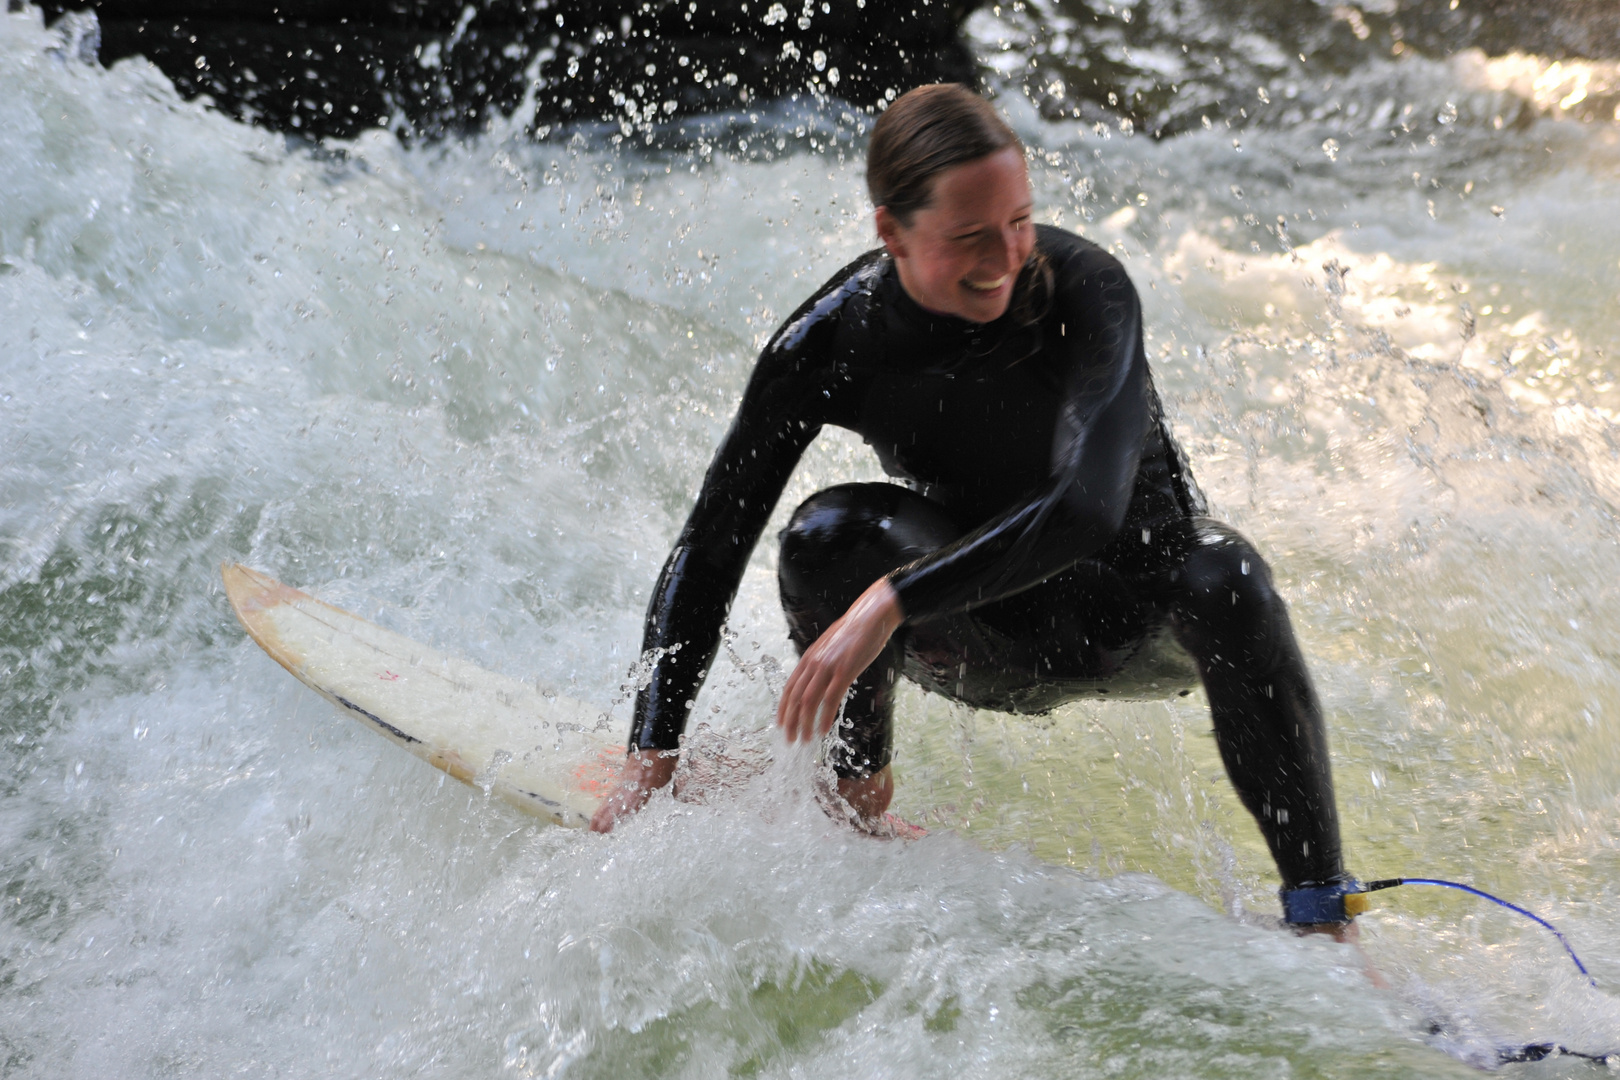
(1026,245)
(948,267)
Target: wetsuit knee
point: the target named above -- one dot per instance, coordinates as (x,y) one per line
(1226,598)
(839,541)
(1222,563)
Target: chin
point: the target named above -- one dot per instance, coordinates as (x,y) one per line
(983,309)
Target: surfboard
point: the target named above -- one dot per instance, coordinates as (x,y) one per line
(536,749)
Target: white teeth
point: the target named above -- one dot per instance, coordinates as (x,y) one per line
(986,286)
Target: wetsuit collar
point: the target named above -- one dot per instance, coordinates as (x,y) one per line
(918,318)
(947,341)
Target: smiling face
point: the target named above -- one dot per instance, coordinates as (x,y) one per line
(960,254)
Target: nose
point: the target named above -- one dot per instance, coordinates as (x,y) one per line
(1006,250)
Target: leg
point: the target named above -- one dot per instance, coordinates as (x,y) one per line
(837,543)
(1268,724)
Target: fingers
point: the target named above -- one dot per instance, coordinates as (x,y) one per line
(608,814)
(799,696)
(810,708)
(817,687)
(825,713)
(787,709)
(810,700)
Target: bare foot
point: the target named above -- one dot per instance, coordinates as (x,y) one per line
(863,803)
(868,796)
(1348,933)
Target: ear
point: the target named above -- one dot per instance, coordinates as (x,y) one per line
(891,232)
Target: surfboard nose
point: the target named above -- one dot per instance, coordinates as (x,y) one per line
(251,591)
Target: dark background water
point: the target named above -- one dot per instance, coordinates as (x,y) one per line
(431,69)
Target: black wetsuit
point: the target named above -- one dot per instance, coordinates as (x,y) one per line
(1049,542)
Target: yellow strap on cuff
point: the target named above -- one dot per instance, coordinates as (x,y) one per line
(1355,903)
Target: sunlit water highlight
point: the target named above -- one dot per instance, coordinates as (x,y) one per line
(468,390)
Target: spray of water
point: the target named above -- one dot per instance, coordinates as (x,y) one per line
(468,391)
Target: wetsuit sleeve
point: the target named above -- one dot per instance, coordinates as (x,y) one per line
(782,411)
(1097,446)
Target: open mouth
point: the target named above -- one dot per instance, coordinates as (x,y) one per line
(986,286)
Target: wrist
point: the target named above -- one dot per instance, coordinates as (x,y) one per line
(882,603)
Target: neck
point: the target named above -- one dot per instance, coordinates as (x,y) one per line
(907,286)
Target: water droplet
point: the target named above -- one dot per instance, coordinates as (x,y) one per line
(1330,147)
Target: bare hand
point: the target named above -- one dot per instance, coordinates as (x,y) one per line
(645,771)
(816,689)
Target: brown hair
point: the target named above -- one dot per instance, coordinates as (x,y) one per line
(926,131)
(931,129)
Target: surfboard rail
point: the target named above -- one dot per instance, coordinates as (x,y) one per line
(538,750)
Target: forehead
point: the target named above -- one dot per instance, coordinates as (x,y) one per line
(989,187)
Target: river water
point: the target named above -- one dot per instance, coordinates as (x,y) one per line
(467,389)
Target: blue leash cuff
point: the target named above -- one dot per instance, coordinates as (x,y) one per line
(1311,905)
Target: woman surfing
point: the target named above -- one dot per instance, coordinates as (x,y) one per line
(1049,543)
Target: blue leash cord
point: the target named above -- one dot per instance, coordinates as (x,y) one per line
(1390,883)
(1341,901)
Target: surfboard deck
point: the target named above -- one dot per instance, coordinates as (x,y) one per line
(537,750)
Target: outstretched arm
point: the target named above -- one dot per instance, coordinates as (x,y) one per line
(694,593)
(782,411)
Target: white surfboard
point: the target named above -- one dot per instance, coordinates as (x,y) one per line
(539,751)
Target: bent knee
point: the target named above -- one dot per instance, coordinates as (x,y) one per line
(831,520)
(861,531)
(1223,570)
(839,541)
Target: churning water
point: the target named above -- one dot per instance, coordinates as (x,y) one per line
(468,390)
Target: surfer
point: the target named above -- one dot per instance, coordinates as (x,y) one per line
(1049,542)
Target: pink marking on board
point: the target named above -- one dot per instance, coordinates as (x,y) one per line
(599,775)
(388,676)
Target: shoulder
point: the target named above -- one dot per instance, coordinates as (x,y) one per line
(1087,281)
(1072,255)
(828,306)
